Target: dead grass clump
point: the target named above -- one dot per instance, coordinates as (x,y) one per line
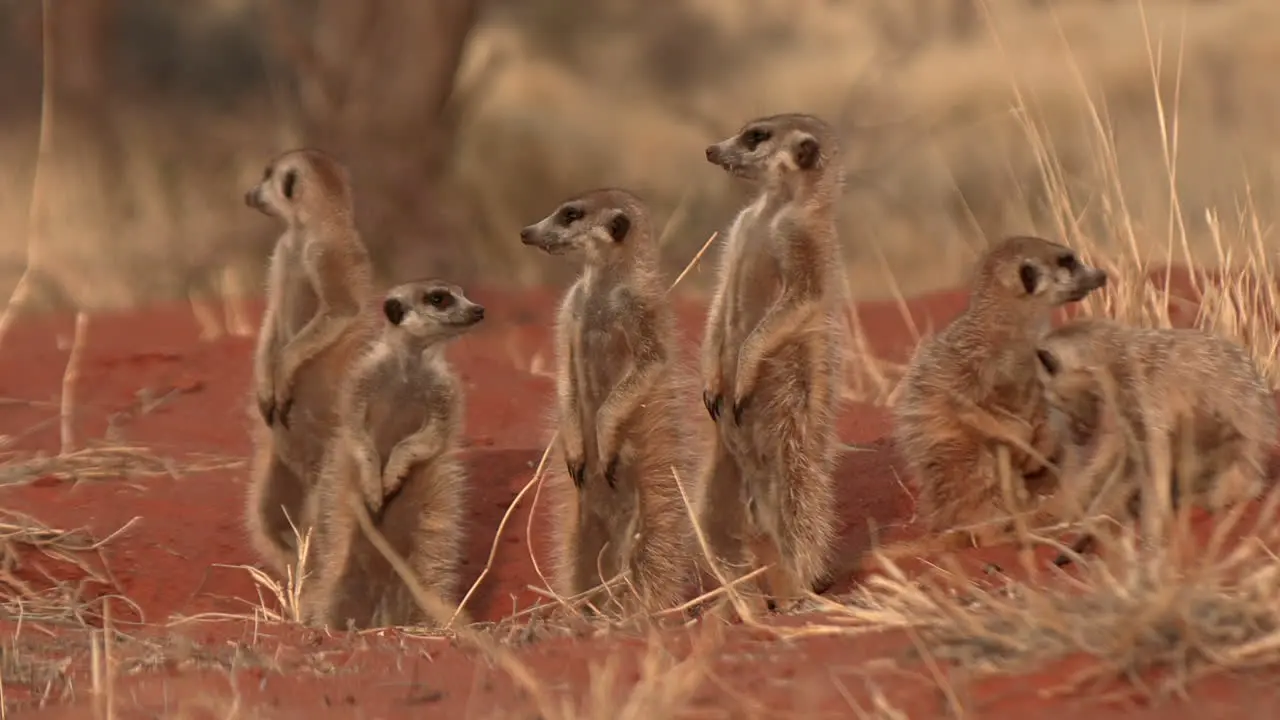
(35,564)
(106,461)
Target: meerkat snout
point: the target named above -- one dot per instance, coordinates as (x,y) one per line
(526,235)
(476,313)
(394,310)
(713,154)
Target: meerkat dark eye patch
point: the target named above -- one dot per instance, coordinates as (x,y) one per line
(1068,262)
(1047,361)
(807,154)
(619,226)
(752,138)
(289,183)
(570,214)
(1030,277)
(439,299)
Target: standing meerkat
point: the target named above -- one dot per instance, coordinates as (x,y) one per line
(773,358)
(315,323)
(1126,400)
(975,383)
(621,427)
(400,416)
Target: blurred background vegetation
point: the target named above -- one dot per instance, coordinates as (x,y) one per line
(463,120)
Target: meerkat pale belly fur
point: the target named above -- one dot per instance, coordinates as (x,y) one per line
(395,449)
(621,424)
(976,381)
(773,359)
(319,317)
(1123,398)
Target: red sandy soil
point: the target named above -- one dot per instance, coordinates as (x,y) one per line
(181,532)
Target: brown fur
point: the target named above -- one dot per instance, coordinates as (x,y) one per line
(400,426)
(621,426)
(973,387)
(772,359)
(1126,399)
(316,322)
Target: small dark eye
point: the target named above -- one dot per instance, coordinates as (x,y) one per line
(438,299)
(1048,361)
(1068,262)
(570,215)
(753,137)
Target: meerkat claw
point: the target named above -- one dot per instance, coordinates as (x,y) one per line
(578,472)
(611,472)
(267,408)
(283,406)
(712,403)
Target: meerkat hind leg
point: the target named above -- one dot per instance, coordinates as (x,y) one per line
(206,318)
(232,291)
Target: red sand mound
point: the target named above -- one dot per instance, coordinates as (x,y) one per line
(147,382)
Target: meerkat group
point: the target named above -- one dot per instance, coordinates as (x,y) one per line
(356,412)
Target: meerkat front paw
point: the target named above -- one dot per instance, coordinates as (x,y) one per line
(283,404)
(267,408)
(713,401)
(739,406)
(611,471)
(577,468)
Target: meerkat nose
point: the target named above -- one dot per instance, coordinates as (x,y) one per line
(526,234)
(477,312)
(713,153)
(393,310)
(248,198)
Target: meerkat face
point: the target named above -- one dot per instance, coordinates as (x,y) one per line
(600,224)
(1046,272)
(277,192)
(296,178)
(776,146)
(431,309)
(1068,371)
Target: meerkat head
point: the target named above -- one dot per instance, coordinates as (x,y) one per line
(1043,272)
(778,147)
(1068,361)
(604,225)
(300,185)
(430,309)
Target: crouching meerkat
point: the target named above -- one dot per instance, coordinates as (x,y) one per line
(1128,400)
(315,323)
(620,424)
(772,359)
(400,417)
(973,388)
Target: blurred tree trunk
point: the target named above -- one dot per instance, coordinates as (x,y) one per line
(375,79)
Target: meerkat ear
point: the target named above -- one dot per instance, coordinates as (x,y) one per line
(1030,277)
(1048,361)
(619,226)
(808,153)
(287,185)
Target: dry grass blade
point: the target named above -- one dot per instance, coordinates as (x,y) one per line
(37,561)
(106,462)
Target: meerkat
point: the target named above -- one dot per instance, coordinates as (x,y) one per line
(620,424)
(317,320)
(773,360)
(973,389)
(400,417)
(1127,399)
